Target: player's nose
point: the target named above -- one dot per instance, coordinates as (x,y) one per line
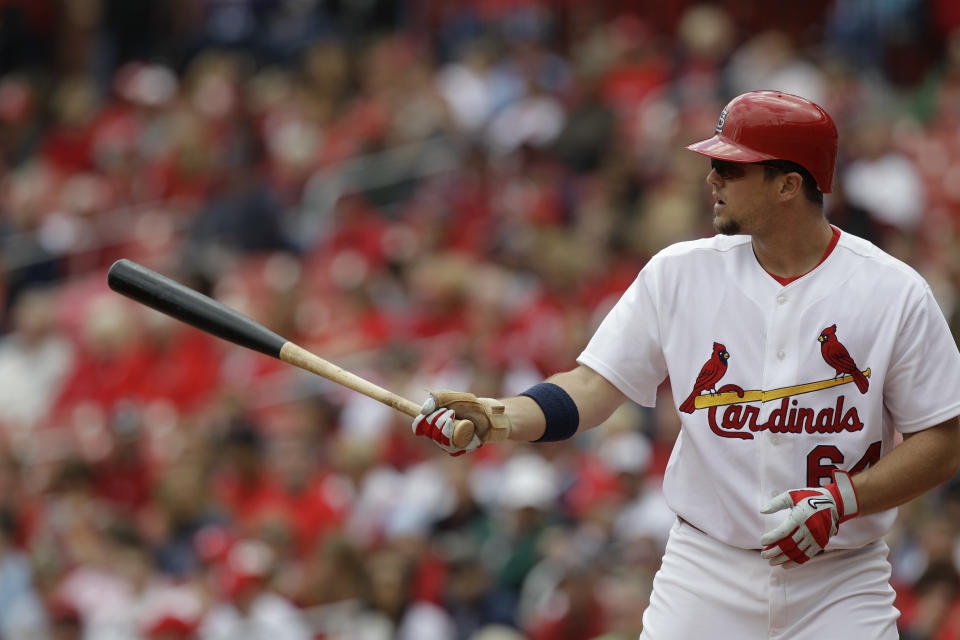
(713,178)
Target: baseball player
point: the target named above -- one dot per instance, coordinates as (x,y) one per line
(795,352)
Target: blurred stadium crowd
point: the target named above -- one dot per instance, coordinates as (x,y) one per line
(431,194)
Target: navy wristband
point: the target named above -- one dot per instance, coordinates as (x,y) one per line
(558,408)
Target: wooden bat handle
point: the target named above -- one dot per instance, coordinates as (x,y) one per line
(291,353)
(463,431)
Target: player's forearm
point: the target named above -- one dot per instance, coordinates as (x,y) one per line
(921,462)
(526,419)
(594,396)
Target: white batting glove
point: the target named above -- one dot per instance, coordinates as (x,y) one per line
(438,426)
(814,517)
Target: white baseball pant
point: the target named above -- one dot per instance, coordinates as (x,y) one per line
(707,589)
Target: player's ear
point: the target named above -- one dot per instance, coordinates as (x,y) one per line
(791,186)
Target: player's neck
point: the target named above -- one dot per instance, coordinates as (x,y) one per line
(794,248)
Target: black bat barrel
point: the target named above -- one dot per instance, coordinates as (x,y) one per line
(183,303)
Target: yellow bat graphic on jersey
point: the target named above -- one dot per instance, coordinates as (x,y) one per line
(757,395)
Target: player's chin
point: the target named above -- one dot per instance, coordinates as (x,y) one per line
(726,226)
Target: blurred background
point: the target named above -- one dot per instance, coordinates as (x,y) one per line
(431,194)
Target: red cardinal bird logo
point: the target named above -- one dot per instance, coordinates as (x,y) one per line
(836,355)
(709,376)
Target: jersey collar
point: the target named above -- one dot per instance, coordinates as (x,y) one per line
(830,247)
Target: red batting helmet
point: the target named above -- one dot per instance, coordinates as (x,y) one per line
(770,125)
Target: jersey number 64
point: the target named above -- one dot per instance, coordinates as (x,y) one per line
(826,458)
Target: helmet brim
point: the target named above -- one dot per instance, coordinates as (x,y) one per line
(722,149)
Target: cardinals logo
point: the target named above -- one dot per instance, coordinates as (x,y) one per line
(710,375)
(735,412)
(837,356)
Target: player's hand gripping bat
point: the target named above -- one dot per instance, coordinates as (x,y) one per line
(178,301)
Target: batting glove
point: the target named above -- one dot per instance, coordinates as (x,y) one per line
(438,426)
(815,515)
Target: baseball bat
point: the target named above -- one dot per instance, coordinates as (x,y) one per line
(192,307)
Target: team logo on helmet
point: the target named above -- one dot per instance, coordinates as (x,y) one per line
(723,118)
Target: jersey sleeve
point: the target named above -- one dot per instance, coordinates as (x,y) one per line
(626,348)
(922,388)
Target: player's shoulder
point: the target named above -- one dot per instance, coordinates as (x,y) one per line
(684,260)
(877,263)
(714,246)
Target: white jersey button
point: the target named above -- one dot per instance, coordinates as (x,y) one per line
(781,299)
(781,355)
(775,439)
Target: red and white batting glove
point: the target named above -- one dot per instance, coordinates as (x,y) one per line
(814,517)
(438,426)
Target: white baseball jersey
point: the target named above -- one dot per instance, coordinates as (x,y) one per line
(777,385)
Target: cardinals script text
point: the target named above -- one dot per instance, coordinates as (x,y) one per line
(740,420)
